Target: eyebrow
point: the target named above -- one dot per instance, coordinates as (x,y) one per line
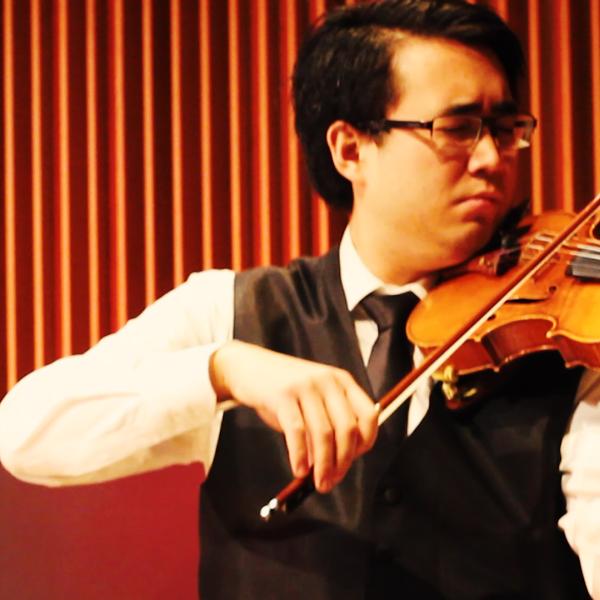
(506,107)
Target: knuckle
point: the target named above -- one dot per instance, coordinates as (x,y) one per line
(324,435)
(320,378)
(349,430)
(346,453)
(296,431)
(343,376)
(295,426)
(368,424)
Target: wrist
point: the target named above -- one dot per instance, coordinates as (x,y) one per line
(217,371)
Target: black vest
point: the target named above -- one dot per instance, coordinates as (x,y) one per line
(464,508)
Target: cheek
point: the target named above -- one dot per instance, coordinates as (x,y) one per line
(511,177)
(424,194)
(435,187)
(410,185)
(413,171)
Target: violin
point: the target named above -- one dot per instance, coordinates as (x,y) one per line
(552,309)
(538,292)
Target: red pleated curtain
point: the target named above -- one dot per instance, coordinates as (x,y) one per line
(141,140)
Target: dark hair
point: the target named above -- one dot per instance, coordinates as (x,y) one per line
(344,69)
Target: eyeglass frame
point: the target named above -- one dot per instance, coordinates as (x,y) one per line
(386,125)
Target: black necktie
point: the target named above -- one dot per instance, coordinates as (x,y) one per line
(391,356)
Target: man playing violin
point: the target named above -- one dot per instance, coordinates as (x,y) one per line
(408,114)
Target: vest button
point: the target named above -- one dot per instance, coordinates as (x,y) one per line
(391,495)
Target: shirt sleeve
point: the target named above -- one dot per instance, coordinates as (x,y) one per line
(139,400)
(580,465)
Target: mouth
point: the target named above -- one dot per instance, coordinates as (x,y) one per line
(482,205)
(484,196)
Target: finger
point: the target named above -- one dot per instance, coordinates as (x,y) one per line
(321,437)
(365,411)
(291,422)
(269,418)
(345,426)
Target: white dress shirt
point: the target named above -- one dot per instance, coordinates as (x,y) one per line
(141,399)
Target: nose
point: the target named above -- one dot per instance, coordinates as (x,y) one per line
(485,155)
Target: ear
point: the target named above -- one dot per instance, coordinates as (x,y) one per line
(345,144)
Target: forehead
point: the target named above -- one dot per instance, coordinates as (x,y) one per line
(435,75)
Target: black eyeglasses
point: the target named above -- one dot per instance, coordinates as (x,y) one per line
(462,132)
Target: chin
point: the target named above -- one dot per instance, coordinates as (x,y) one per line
(479,234)
(467,247)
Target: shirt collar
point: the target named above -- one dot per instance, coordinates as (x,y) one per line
(358,282)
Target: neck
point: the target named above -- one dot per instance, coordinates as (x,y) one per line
(390,262)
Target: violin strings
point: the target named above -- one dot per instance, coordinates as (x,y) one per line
(587,251)
(570,251)
(592,245)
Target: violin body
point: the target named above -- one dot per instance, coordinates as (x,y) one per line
(552,310)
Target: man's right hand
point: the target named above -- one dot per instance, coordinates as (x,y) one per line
(326,417)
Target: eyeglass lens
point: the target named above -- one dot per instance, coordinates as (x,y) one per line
(510,132)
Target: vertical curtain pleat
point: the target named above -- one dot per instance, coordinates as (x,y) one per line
(92,191)
(535,103)
(63,174)
(146,139)
(290,152)
(176,141)
(563,118)
(117,160)
(320,223)
(262,125)
(37,179)
(9,195)
(205,36)
(149,197)
(236,196)
(594,58)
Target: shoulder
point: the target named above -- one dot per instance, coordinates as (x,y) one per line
(301,272)
(307,288)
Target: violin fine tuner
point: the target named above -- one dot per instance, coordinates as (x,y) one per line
(456,397)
